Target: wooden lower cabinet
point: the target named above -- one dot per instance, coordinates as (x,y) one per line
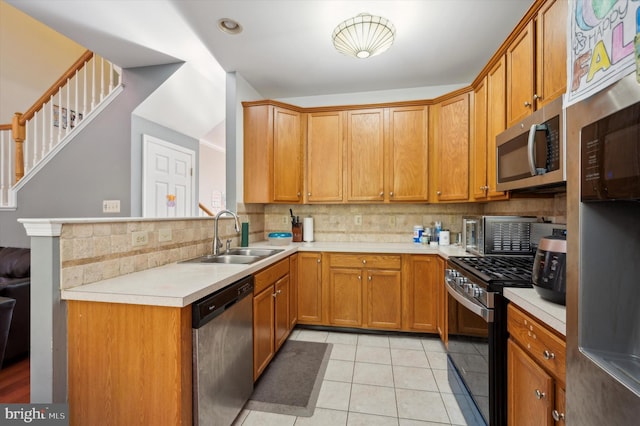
(364,290)
(536,377)
(129,364)
(271,322)
(422,280)
(293,290)
(310,288)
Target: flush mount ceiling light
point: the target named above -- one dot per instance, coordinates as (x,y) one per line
(363,36)
(229,26)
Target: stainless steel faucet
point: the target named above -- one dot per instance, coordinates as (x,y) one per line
(217,244)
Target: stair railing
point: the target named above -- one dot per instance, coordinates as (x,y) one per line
(52,118)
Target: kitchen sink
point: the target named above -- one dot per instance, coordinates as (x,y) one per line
(240,256)
(252,251)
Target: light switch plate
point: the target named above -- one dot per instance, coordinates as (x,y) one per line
(357,219)
(110,206)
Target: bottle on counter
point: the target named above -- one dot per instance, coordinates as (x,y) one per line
(417,233)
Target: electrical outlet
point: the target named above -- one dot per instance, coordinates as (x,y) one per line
(357,219)
(285,220)
(164,235)
(392,221)
(139,238)
(110,206)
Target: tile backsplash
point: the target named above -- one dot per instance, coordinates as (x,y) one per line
(91,252)
(394,222)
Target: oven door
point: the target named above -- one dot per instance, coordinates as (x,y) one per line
(474,332)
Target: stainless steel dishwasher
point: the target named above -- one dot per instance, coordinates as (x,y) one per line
(222,353)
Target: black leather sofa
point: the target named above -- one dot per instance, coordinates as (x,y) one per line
(15,283)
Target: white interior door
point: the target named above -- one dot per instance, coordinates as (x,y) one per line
(167,179)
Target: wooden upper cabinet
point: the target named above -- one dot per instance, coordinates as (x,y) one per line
(496,101)
(536,61)
(325,157)
(451,149)
(478,145)
(520,75)
(551,46)
(272,154)
(365,155)
(287,156)
(408,154)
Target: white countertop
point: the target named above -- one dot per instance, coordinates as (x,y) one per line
(180,284)
(552,314)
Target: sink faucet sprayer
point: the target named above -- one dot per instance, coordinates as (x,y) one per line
(217,244)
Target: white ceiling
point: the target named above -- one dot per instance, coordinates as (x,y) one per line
(285,49)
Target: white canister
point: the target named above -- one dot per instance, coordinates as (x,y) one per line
(444,238)
(417,233)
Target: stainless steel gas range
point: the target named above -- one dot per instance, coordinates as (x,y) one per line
(479,354)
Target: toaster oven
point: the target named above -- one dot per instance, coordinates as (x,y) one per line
(488,235)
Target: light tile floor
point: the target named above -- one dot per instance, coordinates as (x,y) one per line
(381,380)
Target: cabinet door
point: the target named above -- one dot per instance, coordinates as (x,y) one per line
(287,156)
(258,154)
(345,297)
(420,293)
(520,79)
(383,299)
(365,155)
(281,322)
(263,330)
(442,302)
(496,102)
(558,413)
(408,149)
(478,146)
(452,150)
(293,290)
(469,324)
(530,390)
(309,288)
(551,47)
(325,133)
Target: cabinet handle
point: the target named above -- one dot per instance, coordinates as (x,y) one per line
(359,277)
(527,104)
(438,192)
(275,294)
(557,416)
(381,194)
(391,194)
(299,193)
(318,260)
(370,278)
(548,355)
(539,395)
(536,97)
(308,194)
(364,261)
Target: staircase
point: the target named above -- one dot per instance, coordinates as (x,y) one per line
(34,137)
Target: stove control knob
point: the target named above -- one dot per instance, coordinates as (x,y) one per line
(477,292)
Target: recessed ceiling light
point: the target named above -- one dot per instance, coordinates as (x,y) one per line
(229,26)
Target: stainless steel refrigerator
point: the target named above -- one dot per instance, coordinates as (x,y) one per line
(603,255)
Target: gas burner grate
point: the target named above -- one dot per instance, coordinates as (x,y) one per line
(508,270)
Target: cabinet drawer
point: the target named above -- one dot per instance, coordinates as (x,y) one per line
(270,274)
(379,261)
(541,343)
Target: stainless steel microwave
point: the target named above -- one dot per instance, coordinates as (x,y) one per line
(531,154)
(610,157)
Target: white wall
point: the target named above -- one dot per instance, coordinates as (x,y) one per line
(212,168)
